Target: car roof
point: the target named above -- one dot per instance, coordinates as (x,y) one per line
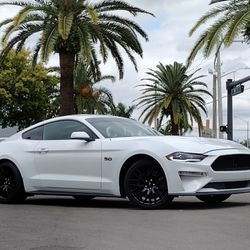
(79,117)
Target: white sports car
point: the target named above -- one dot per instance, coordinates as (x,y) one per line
(88,155)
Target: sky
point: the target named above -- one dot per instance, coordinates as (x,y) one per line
(169,42)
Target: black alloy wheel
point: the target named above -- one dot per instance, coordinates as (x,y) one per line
(146,185)
(11,184)
(213,198)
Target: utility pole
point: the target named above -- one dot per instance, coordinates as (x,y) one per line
(214,105)
(156,125)
(218,70)
(247,134)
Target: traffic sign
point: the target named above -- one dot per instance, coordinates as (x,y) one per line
(223,128)
(237,89)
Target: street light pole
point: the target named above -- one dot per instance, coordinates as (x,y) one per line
(214,101)
(218,70)
(214,106)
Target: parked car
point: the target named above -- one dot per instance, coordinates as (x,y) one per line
(85,156)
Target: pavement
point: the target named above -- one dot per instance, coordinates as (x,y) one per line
(61,223)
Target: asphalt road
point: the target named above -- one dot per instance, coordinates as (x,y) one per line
(56,223)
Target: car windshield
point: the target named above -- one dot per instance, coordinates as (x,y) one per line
(121,127)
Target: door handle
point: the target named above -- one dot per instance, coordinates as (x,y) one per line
(43,151)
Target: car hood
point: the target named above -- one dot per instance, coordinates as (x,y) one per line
(192,144)
(199,144)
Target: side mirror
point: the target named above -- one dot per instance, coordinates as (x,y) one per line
(81,136)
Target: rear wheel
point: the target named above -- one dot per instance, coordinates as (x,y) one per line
(213,198)
(11,184)
(146,186)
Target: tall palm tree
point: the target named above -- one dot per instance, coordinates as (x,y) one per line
(229,19)
(171,93)
(122,110)
(91,99)
(69,27)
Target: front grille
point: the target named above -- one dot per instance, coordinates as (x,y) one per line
(232,163)
(228,185)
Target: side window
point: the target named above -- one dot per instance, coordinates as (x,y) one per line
(34,134)
(62,130)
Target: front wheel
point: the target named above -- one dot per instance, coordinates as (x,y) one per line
(11,184)
(213,198)
(146,186)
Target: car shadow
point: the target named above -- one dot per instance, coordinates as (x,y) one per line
(71,202)
(199,205)
(118,203)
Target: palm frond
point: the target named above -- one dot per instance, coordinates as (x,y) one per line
(113,5)
(6,21)
(93,14)
(16,3)
(65,21)
(214,35)
(230,19)
(197,47)
(217,1)
(22,14)
(241,20)
(130,24)
(36,53)
(210,14)
(48,41)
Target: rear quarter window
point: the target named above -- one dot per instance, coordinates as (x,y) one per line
(33,134)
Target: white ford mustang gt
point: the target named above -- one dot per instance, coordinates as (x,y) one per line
(88,155)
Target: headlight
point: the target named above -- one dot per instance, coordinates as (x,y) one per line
(187,157)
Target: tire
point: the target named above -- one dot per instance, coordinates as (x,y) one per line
(213,198)
(83,198)
(11,184)
(146,185)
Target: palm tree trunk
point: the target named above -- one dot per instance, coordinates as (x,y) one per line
(181,129)
(174,127)
(66,87)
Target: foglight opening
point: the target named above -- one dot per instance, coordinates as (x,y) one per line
(193,174)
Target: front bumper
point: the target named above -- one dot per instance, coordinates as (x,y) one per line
(198,178)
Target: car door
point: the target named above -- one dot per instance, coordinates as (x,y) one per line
(63,164)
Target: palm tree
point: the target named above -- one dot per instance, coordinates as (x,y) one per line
(97,101)
(171,93)
(122,110)
(69,27)
(89,98)
(166,129)
(229,20)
